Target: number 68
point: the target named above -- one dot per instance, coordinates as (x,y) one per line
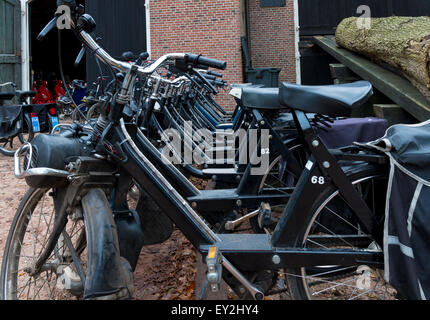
(317,180)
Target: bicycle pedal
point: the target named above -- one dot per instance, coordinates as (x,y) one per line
(264,215)
(214,269)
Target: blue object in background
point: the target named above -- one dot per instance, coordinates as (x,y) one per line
(55,122)
(78,95)
(36,125)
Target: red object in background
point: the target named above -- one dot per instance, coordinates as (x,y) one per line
(43,95)
(34,88)
(59,89)
(52,112)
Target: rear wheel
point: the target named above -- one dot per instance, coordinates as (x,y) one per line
(60,277)
(331,225)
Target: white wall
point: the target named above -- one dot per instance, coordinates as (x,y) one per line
(25,45)
(297,40)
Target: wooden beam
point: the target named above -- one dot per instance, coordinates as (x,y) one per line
(395,87)
(393,113)
(341,74)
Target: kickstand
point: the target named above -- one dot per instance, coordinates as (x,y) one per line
(203,291)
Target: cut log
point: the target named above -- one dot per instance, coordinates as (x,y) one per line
(401,42)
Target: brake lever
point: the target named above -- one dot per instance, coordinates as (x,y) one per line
(48,28)
(205,81)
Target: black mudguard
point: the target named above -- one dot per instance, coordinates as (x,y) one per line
(130,236)
(156,225)
(106,274)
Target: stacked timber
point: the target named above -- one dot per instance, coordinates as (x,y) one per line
(401,42)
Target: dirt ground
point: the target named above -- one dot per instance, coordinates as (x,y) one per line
(164,272)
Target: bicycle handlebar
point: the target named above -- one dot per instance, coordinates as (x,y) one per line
(124,66)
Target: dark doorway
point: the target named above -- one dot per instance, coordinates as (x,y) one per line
(321,17)
(44,54)
(121,25)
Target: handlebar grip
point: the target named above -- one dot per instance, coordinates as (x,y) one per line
(199,59)
(220,82)
(127,56)
(209,77)
(213,73)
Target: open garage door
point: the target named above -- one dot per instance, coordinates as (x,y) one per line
(10,41)
(321,17)
(44,54)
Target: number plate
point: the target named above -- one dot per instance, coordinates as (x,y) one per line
(54,122)
(36,124)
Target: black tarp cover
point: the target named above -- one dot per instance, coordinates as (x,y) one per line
(407,221)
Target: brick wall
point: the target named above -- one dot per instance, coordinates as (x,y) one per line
(208,27)
(273,38)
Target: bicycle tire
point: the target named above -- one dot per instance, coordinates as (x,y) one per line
(94,111)
(30,132)
(13,274)
(76,115)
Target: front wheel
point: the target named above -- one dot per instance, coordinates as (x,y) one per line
(332,225)
(60,277)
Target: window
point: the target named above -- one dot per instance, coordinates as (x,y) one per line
(272,3)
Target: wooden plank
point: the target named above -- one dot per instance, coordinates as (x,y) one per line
(10,41)
(10,59)
(393,113)
(395,87)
